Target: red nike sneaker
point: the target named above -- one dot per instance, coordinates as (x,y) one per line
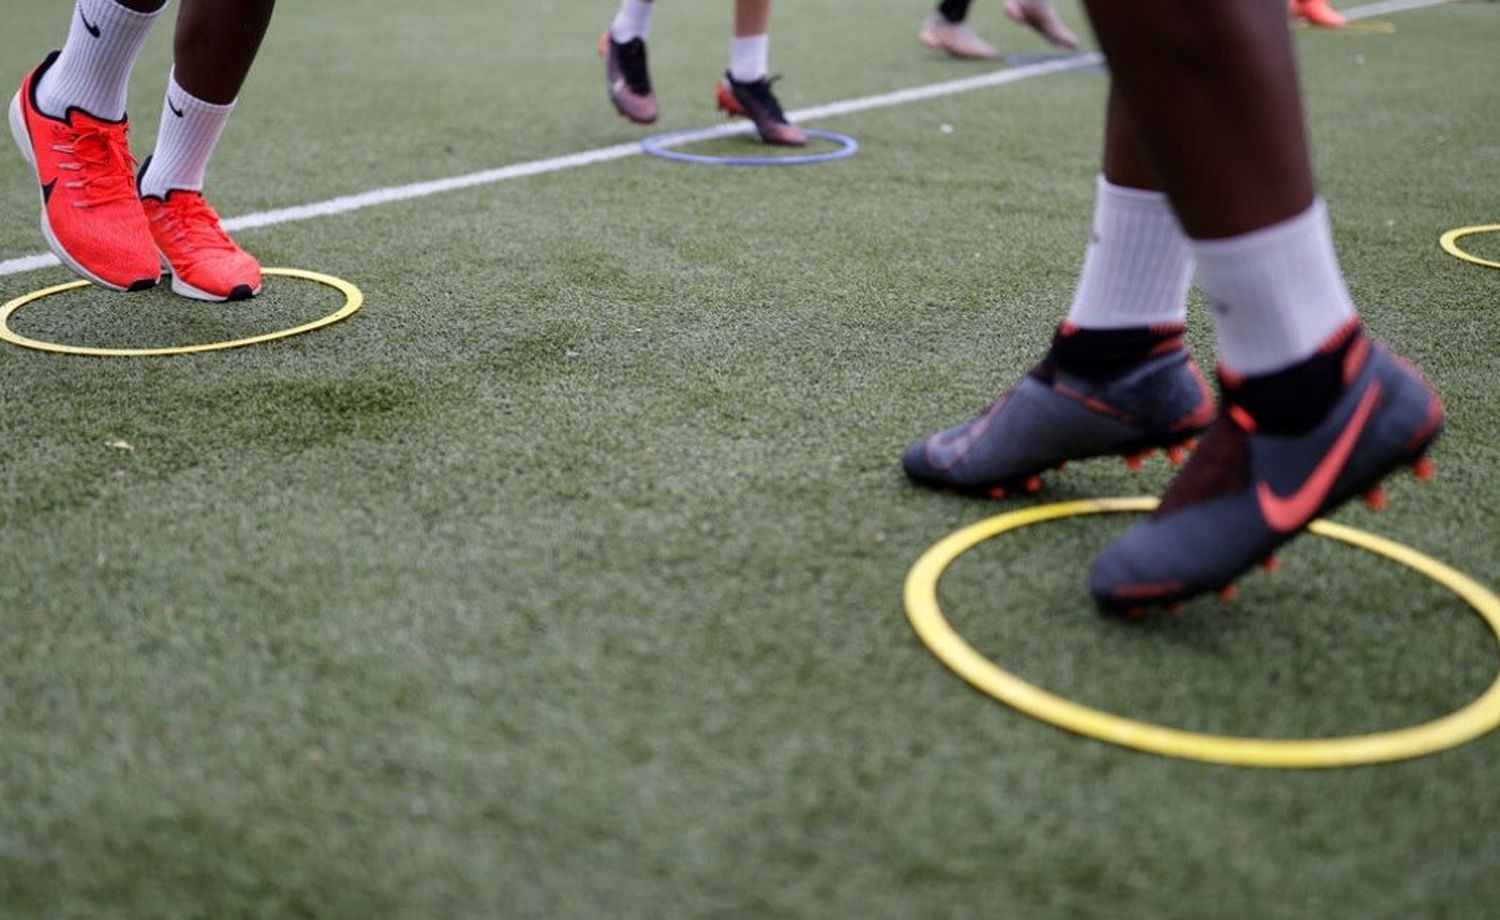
(1247,491)
(91,215)
(1318,13)
(206,264)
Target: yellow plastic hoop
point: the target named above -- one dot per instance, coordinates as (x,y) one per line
(1449,242)
(1466,724)
(1354,27)
(353,299)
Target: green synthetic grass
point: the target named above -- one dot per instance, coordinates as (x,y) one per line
(564,580)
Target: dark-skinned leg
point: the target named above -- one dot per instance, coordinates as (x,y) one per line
(1314,413)
(216,43)
(1213,91)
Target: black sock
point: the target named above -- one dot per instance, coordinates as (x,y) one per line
(1103,353)
(1294,400)
(954,10)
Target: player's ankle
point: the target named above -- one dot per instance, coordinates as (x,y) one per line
(1295,399)
(1104,353)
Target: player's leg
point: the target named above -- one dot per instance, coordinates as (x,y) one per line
(945,30)
(69,121)
(745,89)
(1117,379)
(1313,413)
(216,42)
(623,47)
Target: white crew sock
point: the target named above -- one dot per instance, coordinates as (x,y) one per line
(189,132)
(632,21)
(93,70)
(749,58)
(1276,294)
(1138,266)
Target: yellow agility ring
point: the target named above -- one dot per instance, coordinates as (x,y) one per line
(1449,242)
(1354,27)
(1466,724)
(353,299)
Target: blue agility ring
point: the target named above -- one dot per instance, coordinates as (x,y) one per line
(660,146)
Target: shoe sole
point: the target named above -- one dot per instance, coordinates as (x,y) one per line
(1176,449)
(22,136)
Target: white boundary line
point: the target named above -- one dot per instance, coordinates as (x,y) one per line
(346,203)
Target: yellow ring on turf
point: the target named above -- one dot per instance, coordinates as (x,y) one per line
(1355,27)
(1449,242)
(353,299)
(1466,724)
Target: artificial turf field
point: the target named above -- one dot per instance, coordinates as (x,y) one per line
(565,579)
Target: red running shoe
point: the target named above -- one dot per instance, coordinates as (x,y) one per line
(91,215)
(1318,13)
(206,264)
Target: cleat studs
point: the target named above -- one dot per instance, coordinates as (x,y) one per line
(1227,592)
(1424,469)
(1134,462)
(1376,499)
(1174,608)
(1033,485)
(997,493)
(1271,564)
(1176,454)
(1191,444)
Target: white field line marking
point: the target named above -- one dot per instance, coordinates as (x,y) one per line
(1371,10)
(346,203)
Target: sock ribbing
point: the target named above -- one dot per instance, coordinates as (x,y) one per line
(632,21)
(749,58)
(185,142)
(93,70)
(1138,266)
(1275,294)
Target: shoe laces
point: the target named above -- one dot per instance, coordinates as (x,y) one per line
(188,221)
(103,166)
(631,57)
(756,96)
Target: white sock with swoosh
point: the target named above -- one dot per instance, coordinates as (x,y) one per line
(93,70)
(189,134)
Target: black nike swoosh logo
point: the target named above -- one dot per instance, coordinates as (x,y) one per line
(175,110)
(93,29)
(47,191)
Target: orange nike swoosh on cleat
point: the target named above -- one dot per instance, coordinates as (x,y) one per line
(1295,510)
